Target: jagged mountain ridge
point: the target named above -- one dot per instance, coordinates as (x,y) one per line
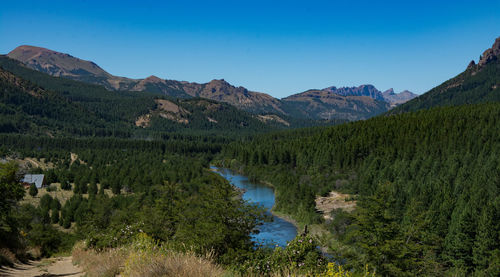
(388,96)
(363,90)
(324,104)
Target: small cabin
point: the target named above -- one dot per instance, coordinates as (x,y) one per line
(37,179)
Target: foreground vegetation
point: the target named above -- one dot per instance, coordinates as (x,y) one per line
(143,257)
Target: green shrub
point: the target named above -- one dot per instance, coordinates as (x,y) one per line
(51,188)
(301,256)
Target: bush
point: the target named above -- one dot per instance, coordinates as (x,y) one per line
(51,188)
(301,256)
(49,239)
(45,202)
(65,185)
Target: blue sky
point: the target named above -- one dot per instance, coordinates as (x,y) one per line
(277,47)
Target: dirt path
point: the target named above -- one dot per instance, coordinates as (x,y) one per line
(62,266)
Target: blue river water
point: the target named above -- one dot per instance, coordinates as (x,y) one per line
(276,232)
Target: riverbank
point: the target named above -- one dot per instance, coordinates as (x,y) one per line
(288,218)
(284,216)
(282,228)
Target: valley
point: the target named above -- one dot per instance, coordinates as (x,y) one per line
(158,176)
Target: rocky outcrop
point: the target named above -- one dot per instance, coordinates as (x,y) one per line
(471,65)
(491,54)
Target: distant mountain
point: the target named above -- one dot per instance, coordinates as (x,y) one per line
(398,98)
(479,83)
(64,65)
(388,96)
(363,90)
(334,103)
(325,104)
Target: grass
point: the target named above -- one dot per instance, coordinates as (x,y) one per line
(7,257)
(104,263)
(144,257)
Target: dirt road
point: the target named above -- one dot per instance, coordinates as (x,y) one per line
(61,266)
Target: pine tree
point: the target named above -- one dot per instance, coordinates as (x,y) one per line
(92,188)
(55,204)
(33,190)
(486,239)
(55,216)
(101,189)
(116,188)
(45,216)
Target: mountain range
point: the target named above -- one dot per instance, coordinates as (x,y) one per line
(34,101)
(350,103)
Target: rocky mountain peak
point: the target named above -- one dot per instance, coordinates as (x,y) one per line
(25,53)
(219,82)
(472,64)
(388,92)
(491,54)
(153,79)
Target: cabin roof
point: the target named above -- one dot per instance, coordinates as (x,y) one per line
(36,179)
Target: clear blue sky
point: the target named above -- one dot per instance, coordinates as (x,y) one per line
(277,47)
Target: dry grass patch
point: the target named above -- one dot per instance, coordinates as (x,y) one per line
(169,264)
(7,257)
(60,194)
(104,263)
(335,200)
(144,257)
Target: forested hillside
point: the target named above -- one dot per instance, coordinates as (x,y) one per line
(161,188)
(70,107)
(28,108)
(427,182)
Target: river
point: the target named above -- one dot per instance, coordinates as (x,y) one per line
(276,232)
